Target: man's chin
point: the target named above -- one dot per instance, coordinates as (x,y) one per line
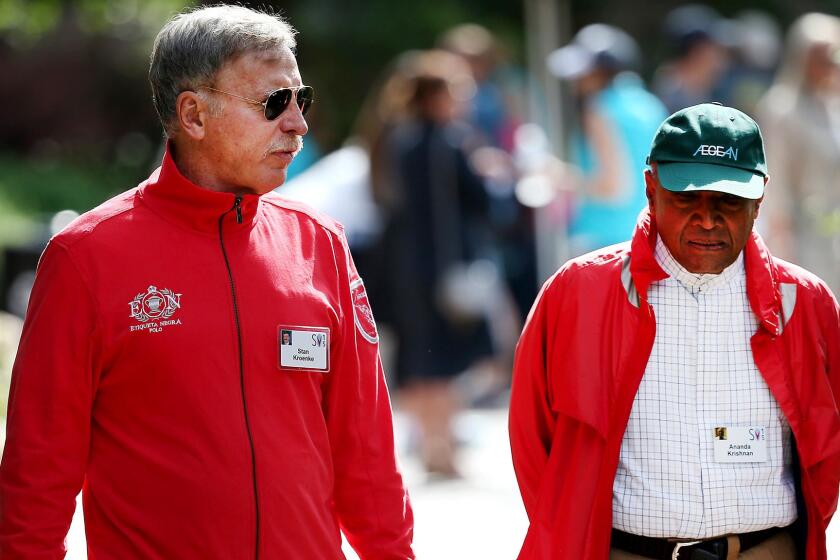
(277,181)
(705,265)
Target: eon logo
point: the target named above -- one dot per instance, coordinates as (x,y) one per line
(719,151)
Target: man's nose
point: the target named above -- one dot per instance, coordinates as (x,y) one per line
(292,121)
(706,214)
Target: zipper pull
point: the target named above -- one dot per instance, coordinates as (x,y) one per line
(237,206)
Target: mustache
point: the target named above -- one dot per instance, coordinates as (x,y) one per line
(285,144)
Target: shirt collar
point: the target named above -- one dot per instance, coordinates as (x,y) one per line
(762,274)
(177,199)
(692,281)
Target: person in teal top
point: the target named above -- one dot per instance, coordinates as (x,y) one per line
(618,118)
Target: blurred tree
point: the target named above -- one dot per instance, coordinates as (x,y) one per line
(78,123)
(25,21)
(80,95)
(75,91)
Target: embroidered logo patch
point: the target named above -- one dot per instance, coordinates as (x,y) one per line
(154,309)
(719,151)
(363,315)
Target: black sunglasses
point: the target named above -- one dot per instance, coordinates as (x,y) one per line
(279,99)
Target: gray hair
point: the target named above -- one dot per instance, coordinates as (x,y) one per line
(194,45)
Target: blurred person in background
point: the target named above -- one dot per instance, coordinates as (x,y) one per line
(618,118)
(10,328)
(800,117)
(696,34)
(756,44)
(495,112)
(435,207)
(151,374)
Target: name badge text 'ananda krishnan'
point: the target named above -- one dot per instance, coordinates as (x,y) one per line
(743,444)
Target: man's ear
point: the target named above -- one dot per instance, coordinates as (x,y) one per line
(650,187)
(757,207)
(192,112)
(760,200)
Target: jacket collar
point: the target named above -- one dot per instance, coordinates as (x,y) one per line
(762,276)
(177,199)
(643,266)
(763,289)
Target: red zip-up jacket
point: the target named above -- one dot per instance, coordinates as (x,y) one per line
(578,367)
(150,374)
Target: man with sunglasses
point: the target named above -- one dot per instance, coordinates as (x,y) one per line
(199,354)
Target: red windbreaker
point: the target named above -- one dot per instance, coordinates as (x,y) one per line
(152,374)
(581,358)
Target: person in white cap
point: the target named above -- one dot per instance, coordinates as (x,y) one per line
(618,116)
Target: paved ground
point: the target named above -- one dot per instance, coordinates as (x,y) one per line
(479,516)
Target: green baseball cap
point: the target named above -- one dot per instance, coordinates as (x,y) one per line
(710,147)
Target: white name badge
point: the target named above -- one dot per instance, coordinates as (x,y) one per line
(304,348)
(740,444)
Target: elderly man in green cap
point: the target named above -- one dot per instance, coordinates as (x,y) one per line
(675,396)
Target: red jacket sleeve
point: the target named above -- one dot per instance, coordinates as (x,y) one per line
(370,498)
(532,421)
(48,422)
(831,326)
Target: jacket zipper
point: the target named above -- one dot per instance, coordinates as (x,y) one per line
(238,209)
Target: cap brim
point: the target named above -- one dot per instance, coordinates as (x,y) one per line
(570,62)
(687,177)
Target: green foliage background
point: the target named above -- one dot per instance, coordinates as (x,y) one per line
(78,124)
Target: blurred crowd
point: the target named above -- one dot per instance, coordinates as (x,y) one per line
(453,176)
(442,183)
